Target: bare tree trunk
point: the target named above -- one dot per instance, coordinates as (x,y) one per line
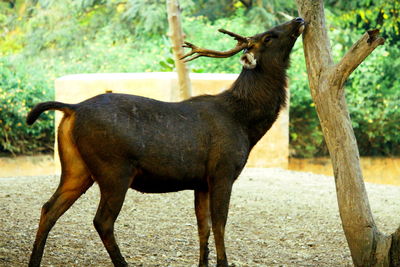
(176,34)
(368,246)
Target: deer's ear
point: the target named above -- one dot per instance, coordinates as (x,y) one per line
(248,61)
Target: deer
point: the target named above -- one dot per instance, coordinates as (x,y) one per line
(122,141)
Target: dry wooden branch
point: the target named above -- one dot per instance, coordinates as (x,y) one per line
(357,54)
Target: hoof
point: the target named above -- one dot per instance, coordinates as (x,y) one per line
(222,263)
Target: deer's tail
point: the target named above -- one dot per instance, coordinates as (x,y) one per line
(51,105)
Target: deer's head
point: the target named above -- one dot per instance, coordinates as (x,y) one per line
(272,46)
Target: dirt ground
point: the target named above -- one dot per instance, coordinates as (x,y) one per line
(277,218)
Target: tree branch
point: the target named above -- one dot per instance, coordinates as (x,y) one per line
(357,54)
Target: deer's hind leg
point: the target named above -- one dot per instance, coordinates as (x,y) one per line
(114,179)
(75,180)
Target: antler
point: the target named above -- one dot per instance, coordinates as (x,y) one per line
(243,42)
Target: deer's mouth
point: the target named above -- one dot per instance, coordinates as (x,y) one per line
(299,31)
(248,61)
(300,28)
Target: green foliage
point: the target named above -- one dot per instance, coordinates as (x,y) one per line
(364,15)
(374,103)
(19,91)
(215,9)
(151,22)
(41,40)
(168,64)
(372,94)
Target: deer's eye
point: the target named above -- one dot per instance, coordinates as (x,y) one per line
(267,39)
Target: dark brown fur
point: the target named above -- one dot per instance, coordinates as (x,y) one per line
(202,144)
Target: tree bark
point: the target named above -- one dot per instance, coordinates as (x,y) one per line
(176,34)
(368,246)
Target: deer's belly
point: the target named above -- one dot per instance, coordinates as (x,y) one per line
(147,182)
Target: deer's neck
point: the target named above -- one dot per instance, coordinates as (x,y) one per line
(256,98)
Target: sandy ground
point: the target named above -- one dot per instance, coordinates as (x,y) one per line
(277,218)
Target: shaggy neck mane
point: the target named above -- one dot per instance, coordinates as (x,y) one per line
(256,98)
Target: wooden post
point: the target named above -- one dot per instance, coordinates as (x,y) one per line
(176,35)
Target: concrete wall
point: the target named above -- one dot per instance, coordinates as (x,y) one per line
(271,151)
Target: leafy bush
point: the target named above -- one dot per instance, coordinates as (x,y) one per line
(372,94)
(374,103)
(19,91)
